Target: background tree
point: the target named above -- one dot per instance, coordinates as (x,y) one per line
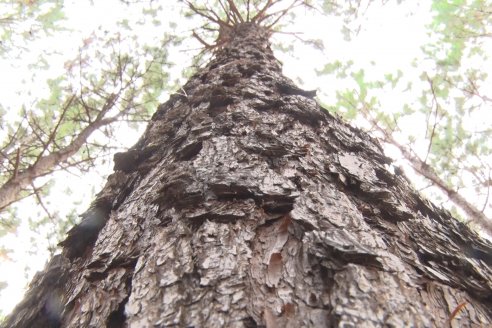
(245,203)
(451,149)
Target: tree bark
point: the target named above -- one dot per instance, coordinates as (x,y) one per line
(244,204)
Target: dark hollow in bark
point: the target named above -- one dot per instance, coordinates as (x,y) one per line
(245,204)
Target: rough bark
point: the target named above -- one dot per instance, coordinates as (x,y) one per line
(245,204)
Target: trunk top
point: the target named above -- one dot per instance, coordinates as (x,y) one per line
(244,41)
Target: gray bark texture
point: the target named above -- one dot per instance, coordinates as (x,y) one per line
(245,204)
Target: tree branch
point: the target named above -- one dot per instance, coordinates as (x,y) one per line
(235,11)
(9,192)
(434,100)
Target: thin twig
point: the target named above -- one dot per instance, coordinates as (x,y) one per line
(235,11)
(437,106)
(259,15)
(487,197)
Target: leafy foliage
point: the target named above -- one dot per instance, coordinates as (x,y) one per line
(22,21)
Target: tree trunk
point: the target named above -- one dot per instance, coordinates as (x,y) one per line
(245,204)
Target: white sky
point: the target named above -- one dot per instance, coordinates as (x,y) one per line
(391,38)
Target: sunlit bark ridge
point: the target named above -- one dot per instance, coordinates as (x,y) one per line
(244,204)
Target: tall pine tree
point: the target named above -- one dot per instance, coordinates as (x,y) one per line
(245,204)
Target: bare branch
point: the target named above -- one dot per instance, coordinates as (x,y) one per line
(9,191)
(235,11)
(203,42)
(52,135)
(16,165)
(437,107)
(486,198)
(247,10)
(281,14)
(259,15)
(200,12)
(40,201)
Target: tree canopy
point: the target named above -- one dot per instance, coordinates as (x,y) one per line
(77,90)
